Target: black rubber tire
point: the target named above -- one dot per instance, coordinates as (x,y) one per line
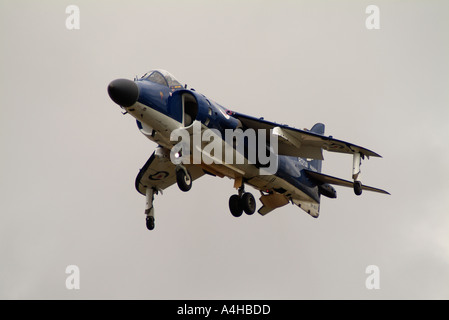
(183,180)
(234,206)
(150,223)
(358,188)
(248,203)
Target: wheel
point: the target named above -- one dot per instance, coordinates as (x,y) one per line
(150,223)
(357,188)
(234,206)
(184,180)
(248,203)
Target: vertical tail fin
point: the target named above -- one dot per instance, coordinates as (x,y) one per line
(315,165)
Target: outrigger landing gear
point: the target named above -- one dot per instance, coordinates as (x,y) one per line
(243,201)
(150,222)
(149,209)
(356,163)
(358,188)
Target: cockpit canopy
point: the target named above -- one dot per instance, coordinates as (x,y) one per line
(162,77)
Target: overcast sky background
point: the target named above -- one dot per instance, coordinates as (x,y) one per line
(69,158)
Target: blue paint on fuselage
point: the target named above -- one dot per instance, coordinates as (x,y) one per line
(153,95)
(169,102)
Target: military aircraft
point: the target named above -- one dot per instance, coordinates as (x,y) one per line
(162,105)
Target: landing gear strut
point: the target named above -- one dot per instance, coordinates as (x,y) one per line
(243,201)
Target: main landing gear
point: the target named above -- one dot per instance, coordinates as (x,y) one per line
(243,201)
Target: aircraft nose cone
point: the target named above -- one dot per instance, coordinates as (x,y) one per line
(124,92)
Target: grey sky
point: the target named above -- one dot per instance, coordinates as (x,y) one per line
(69,158)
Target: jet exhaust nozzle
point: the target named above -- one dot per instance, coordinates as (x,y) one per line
(124,92)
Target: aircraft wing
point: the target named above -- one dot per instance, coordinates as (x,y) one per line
(324,178)
(160,173)
(301,143)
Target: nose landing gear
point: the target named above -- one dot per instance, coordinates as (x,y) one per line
(183,178)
